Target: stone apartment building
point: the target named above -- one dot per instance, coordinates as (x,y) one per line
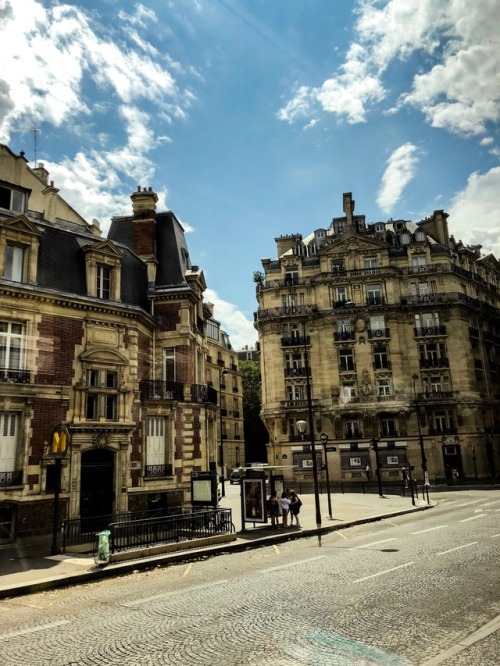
(109,337)
(223,374)
(394,328)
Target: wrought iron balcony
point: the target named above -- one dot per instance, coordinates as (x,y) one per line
(296,341)
(375,300)
(151,471)
(296,372)
(429,331)
(434,363)
(11,478)
(14,376)
(375,333)
(158,390)
(343,336)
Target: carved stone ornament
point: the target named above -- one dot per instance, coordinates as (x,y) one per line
(360,325)
(365,387)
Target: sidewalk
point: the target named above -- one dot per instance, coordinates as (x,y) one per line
(26,569)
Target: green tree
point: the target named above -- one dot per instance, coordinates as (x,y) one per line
(255,432)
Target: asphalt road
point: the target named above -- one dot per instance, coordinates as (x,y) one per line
(420,589)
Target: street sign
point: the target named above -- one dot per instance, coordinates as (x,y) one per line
(306,448)
(323,438)
(329,449)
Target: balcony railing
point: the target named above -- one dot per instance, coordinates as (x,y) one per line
(429,331)
(158,390)
(435,395)
(14,376)
(375,300)
(445,430)
(288,311)
(375,333)
(434,363)
(296,372)
(151,471)
(298,404)
(11,478)
(295,341)
(344,335)
(382,365)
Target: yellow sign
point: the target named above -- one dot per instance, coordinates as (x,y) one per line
(60,440)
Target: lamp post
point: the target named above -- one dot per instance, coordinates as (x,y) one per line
(377,471)
(221,449)
(58,447)
(324,440)
(241,472)
(475,463)
(301,425)
(420,437)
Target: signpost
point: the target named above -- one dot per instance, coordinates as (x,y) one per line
(324,441)
(58,447)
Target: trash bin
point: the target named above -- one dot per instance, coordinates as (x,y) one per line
(102,554)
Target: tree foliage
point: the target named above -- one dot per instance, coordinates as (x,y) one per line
(256,435)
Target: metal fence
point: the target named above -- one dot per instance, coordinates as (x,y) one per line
(80,531)
(183,527)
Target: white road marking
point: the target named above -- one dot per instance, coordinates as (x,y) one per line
(466,520)
(494,536)
(146,600)
(466,545)
(461,506)
(32,630)
(373,543)
(430,529)
(293,564)
(381,573)
(490,503)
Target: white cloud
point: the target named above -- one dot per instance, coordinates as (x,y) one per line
(458,92)
(400,170)
(474,214)
(240,330)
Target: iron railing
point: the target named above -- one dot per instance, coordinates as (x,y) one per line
(78,531)
(185,527)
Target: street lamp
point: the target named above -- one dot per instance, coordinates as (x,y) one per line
(241,473)
(58,447)
(301,426)
(420,437)
(221,448)
(377,461)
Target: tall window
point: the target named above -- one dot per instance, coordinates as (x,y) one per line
(380,358)
(8,441)
(370,265)
(157,456)
(102,396)
(388,426)
(346,360)
(12,338)
(292,276)
(348,390)
(374,294)
(169,364)
(15,263)
(295,392)
(383,387)
(103,281)
(377,324)
(418,263)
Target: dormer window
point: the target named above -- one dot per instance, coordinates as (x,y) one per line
(103,276)
(15,259)
(103,266)
(12,199)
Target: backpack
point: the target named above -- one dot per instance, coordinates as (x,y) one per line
(299,502)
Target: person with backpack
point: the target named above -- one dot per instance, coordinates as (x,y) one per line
(295,504)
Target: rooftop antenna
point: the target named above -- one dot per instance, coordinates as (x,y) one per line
(35,130)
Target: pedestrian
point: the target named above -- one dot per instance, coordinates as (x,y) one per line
(405,477)
(285,507)
(274,508)
(295,504)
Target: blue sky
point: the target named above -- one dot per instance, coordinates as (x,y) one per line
(250,118)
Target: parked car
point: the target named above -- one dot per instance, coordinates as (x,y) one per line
(234,477)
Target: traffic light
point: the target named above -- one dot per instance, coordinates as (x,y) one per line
(375,444)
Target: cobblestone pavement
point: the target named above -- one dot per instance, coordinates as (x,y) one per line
(400,592)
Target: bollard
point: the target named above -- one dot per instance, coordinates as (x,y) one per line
(103,547)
